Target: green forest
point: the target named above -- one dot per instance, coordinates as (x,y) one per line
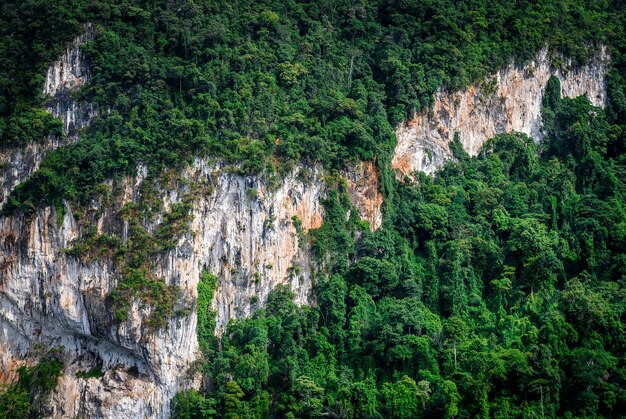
(496,288)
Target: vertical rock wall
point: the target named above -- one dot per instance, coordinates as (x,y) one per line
(241,231)
(63,77)
(509,101)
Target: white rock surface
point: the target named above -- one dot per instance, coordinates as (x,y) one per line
(63,77)
(510,101)
(252,245)
(49,298)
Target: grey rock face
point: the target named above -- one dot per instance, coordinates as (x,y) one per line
(63,77)
(49,298)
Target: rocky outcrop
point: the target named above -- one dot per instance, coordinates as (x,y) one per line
(246,230)
(363,185)
(245,233)
(242,231)
(63,77)
(509,101)
(50,300)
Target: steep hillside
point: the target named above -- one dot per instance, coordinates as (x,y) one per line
(305,209)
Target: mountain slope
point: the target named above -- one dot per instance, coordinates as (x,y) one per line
(202,168)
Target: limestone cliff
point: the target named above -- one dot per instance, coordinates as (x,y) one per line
(245,230)
(363,185)
(63,77)
(508,101)
(240,231)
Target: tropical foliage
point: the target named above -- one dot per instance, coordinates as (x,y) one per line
(496,288)
(262,84)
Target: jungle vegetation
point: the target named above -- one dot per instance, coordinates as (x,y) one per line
(496,288)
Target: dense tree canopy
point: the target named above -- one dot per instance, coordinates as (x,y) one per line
(262,84)
(496,288)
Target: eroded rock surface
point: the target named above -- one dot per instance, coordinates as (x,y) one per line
(241,230)
(509,101)
(63,77)
(363,185)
